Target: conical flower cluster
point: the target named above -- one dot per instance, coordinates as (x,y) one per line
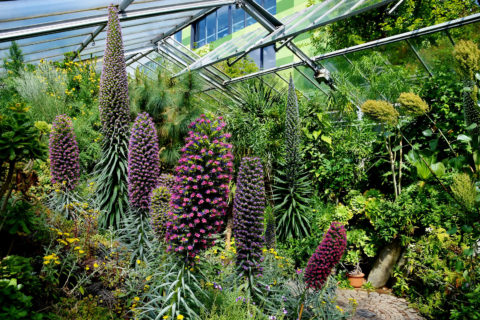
(113,94)
(248,208)
(143,161)
(166,180)
(64,153)
(292,135)
(327,255)
(200,195)
(159,208)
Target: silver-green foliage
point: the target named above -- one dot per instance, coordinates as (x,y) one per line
(292,186)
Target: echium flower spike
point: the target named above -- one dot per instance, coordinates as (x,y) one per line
(159,208)
(166,180)
(113,95)
(327,255)
(248,208)
(292,134)
(199,198)
(64,153)
(143,161)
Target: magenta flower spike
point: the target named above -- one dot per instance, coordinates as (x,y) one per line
(248,209)
(143,161)
(199,198)
(327,255)
(64,153)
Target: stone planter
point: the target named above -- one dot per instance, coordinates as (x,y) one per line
(356,279)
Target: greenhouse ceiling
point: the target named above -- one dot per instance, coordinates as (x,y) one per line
(46,31)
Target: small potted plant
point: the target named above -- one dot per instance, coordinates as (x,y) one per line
(356,277)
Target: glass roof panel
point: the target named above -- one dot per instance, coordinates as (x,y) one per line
(299,22)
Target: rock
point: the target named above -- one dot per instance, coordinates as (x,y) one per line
(364,313)
(383,266)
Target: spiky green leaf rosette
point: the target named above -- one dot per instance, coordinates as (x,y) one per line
(143,161)
(248,208)
(292,189)
(327,255)
(64,153)
(199,199)
(112,195)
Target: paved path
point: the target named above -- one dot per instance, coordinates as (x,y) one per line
(375,306)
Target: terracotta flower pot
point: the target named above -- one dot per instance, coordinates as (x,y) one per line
(356,280)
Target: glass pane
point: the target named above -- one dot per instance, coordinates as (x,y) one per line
(223,21)
(178,36)
(250,20)
(211,27)
(270,6)
(255,56)
(269,57)
(238,16)
(200,34)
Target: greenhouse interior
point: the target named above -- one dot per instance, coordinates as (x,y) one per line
(239,159)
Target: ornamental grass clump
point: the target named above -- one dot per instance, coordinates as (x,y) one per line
(381,111)
(112,195)
(143,162)
(327,255)
(199,198)
(248,208)
(159,208)
(412,104)
(64,154)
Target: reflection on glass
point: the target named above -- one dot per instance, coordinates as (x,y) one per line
(223,22)
(238,17)
(211,27)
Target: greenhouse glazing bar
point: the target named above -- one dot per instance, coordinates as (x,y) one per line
(474,18)
(72,24)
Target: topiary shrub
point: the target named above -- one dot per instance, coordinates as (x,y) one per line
(112,195)
(412,104)
(159,208)
(64,154)
(382,111)
(199,199)
(143,161)
(327,255)
(248,209)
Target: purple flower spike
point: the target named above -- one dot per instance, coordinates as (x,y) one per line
(248,208)
(113,94)
(327,255)
(143,161)
(64,153)
(199,197)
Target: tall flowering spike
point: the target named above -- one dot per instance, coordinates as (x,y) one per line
(327,255)
(270,230)
(113,98)
(292,134)
(64,153)
(143,161)
(159,208)
(248,208)
(166,180)
(199,198)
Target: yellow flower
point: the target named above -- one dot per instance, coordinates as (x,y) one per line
(165,317)
(81,251)
(179,317)
(139,261)
(136,299)
(95,265)
(87,268)
(77,248)
(339,309)
(149,278)
(71,240)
